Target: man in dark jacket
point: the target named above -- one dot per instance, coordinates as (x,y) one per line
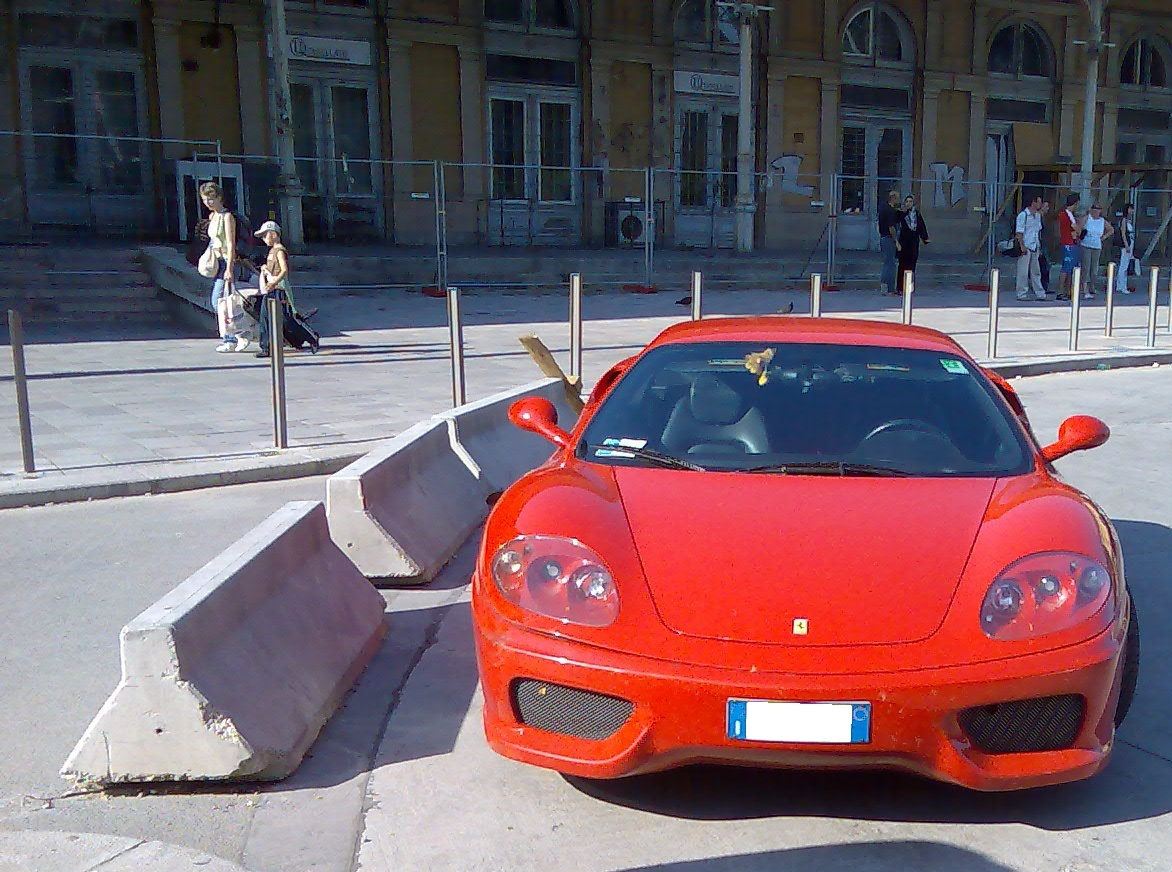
(889,217)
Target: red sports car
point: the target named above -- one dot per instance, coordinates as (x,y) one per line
(804,543)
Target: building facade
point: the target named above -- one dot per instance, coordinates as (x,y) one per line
(548,114)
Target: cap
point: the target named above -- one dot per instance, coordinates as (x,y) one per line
(266,227)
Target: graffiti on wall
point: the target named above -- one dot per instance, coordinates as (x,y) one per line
(788,167)
(953,177)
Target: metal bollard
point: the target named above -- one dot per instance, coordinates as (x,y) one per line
(1170,300)
(1153,303)
(816,296)
(909,288)
(456,345)
(277,366)
(576,325)
(1075,302)
(1109,324)
(994,311)
(20,379)
(697,289)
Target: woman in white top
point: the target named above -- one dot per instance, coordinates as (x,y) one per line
(1094,230)
(222,238)
(1126,249)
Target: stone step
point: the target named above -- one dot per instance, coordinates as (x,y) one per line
(79,308)
(67,280)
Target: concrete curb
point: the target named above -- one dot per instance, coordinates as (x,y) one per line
(1077,362)
(45,851)
(102,483)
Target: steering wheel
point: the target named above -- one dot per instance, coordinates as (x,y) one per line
(913,424)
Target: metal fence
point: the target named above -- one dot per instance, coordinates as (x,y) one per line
(647,220)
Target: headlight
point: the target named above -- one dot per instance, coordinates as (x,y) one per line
(1042,594)
(556,577)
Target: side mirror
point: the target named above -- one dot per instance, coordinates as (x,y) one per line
(537,415)
(1077,433)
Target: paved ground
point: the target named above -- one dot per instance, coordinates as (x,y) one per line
(402,779)
(123,404)
(119,406)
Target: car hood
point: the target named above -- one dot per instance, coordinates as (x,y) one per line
(744,557)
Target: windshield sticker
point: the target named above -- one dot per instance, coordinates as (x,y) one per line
(625,443)
(953,366)
(888,367)
(757,362)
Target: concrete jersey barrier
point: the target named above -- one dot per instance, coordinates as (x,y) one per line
(497,451)
(401,512)
(232,674)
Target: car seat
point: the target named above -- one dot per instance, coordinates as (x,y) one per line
(714,417)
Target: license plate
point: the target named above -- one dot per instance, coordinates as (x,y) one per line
(823,723)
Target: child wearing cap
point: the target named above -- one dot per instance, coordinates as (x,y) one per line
(274,277)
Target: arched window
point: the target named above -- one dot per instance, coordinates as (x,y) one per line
(1019,49)
(877,34)
(531,14)
(703,21)
(1145,63)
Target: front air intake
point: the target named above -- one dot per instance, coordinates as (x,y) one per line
(567,710)
(1048,723)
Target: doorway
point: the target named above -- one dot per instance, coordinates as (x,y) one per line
(706,184)
(533,150)
(92,175)
(333,140)
(875,157)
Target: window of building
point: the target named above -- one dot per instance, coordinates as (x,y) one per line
(708,23)
(531,144)
(1020,49)
(77,31)
(531,14)
(1145,63)
(878,35)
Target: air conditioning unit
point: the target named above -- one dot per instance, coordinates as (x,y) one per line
(626,221)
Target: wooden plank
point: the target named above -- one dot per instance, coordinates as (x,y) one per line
(549,367)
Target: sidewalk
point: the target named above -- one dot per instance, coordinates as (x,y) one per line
(127,412)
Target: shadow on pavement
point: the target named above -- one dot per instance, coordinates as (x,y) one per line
(902,856)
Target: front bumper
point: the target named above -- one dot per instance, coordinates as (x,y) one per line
(679,712)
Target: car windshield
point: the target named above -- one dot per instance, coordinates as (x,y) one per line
(806,409)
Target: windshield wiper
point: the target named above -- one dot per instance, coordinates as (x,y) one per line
(645,454)
(836,467)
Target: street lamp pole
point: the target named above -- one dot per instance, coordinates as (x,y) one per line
(288,185)
(1095,46)
(747,14)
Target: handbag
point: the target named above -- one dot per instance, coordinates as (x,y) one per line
(1011,248)
(1133,268)
(209,263)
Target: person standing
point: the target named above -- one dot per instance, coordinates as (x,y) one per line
(1043,258)
(912,230)
(222,240)
(889,218)
(1095,230)
(274,278)
(1126,249)
(1028,233)
(1067,236)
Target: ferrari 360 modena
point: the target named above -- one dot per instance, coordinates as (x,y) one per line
(804,543)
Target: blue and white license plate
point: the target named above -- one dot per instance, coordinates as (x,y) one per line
(821,723)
